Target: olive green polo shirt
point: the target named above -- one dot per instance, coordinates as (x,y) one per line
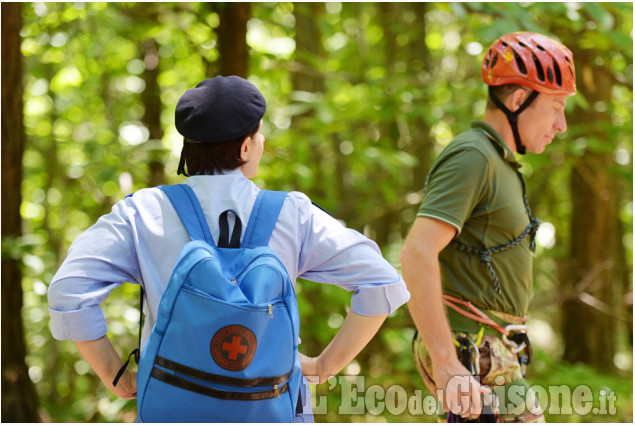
(474,186)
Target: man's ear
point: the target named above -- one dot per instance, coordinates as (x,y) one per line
(245,149)
(516,99)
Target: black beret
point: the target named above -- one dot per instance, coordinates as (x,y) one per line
(219,109)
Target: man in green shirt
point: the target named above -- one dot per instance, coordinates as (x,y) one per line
(472,238)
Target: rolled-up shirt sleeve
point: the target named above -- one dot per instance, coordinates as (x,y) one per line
(334,254)
(100,259)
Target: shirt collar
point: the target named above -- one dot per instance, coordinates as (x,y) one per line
(234,172)
(496,140)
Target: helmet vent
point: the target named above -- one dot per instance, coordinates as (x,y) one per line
(539,70)
(504,44)
(521,44)
(519,61)
(558,73)
(550,74)
(539,47)
(569,66)
(494,60)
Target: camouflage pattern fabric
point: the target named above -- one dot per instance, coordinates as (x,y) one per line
(499,369)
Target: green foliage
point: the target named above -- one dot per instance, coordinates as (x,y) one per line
(399,81)
(551,372)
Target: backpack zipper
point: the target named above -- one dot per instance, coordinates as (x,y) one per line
(164,370)
(249,266)
(249,307)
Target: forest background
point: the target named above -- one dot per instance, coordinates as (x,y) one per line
(361,98)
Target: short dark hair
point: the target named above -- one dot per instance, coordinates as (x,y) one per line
(503,92)
(213,158)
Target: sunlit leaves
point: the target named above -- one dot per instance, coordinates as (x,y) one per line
(396,78)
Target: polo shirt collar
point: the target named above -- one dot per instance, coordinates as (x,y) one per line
(495,138)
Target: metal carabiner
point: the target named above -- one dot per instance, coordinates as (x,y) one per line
(513,346)
(477,358)
(469,354)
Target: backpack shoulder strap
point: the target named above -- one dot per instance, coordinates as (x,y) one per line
(190,212)
(263,218)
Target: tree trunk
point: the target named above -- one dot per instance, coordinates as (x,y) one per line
(422,144)
(388,17)
(19,399)
(232,38)
(308,49)
(151,98)
(589,318)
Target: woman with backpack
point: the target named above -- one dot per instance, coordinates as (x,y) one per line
(140,240)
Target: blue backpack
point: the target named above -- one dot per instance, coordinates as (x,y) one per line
(224,346)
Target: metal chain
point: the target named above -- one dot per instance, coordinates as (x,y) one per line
(486,254)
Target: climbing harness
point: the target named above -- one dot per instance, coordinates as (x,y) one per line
(486,254)
(514,336)
(516,344)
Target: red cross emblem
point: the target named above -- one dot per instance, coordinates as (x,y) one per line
(233,347)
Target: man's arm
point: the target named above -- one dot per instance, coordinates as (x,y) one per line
(355,333)
(421,271)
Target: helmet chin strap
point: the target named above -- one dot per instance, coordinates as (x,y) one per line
(512,117)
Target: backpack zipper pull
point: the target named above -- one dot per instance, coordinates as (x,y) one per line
(275,388)
(270,310)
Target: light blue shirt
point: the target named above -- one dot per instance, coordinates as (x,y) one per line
(140,240)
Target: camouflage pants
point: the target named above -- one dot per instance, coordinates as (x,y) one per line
(499,369)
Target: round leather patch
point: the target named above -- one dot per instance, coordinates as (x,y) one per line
(233,347)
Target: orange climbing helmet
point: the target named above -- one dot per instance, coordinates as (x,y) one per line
(531,60)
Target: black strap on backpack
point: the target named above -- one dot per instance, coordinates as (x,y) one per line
(223,225)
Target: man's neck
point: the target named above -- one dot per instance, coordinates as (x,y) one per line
(498,121)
